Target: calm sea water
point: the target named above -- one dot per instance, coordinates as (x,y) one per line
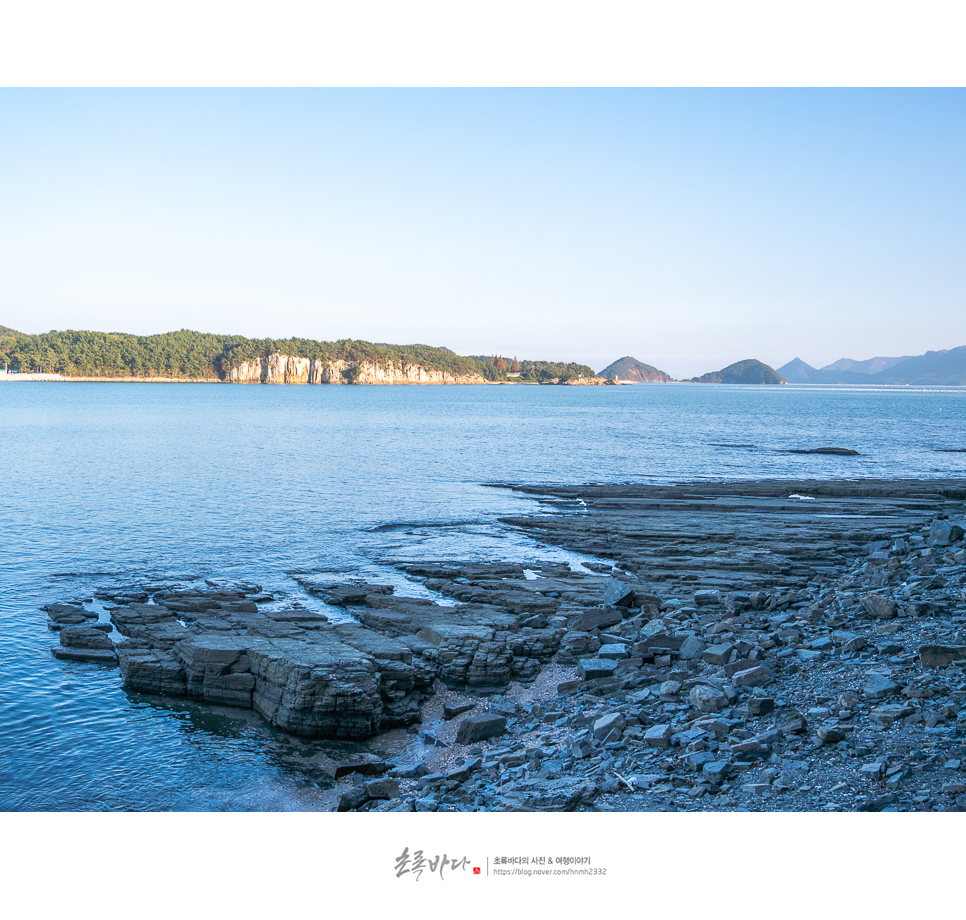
(108,484)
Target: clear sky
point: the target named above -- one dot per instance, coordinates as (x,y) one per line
(689,228)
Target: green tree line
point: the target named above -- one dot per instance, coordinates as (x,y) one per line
(189,354)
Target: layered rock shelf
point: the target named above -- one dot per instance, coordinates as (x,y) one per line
(755,646)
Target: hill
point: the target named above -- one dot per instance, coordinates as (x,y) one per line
(634,371)
(749,371)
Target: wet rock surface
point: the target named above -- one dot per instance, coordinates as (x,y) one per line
(747,646)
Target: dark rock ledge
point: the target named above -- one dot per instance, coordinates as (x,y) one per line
(755,646)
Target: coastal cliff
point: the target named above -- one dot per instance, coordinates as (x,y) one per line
(279,368)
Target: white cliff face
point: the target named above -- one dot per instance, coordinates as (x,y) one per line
(286,369)
(279,368)
(246,372)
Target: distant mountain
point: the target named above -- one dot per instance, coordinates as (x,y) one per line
(749,371)
(4,329)
(634,371)
(936,368)
(797,371)
(869,366)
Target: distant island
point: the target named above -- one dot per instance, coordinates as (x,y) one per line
(189,356)
(749,371)
(630,370)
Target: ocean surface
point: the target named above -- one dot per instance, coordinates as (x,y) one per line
(105,485)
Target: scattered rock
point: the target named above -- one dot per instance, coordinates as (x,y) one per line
(760,705)
(879,687)
(384,788)
(589,668)
(941,656)
(708,699)
(480,728)
(618,593)
(452,710)
(708,597)
(668,712)
(363,764)
(609,727)
(881,607)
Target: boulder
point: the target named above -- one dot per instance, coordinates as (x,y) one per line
(942,533)
(452,710)
(610,726)
(384,788)
(463,773)
(363,764)
(882,608)
(760,705)
(589,668)
(353,799)
(658,736)
(719,654)
(618,593)
(480,728)
(752,677)
(707,598)
(941,656)
(597,618)
(564,794)
(691,648)
(879,687)
(708,699)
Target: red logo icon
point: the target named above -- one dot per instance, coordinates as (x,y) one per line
(476,870)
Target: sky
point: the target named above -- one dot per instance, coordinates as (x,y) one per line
(688,228)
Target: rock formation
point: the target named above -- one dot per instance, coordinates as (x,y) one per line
(741,648)
(279,368)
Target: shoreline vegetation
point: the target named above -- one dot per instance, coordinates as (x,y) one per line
(188,356)
(757,645)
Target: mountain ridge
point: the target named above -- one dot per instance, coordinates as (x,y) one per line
(944,367)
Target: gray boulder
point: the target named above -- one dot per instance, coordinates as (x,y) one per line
(882,608)
(480,728)
(618,593)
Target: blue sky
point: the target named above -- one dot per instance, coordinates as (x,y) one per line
(689,228)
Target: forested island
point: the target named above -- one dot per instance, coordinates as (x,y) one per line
(190,355)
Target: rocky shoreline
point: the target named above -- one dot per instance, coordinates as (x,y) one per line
(767,646)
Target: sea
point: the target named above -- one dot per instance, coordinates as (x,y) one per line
(104,485)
